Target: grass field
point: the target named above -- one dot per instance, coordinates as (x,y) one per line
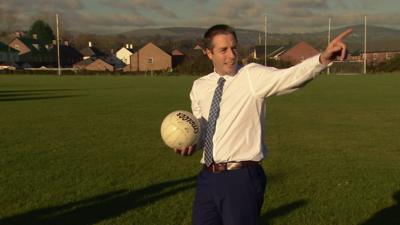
(87,150)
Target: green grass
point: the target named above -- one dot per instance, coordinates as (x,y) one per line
(87,150)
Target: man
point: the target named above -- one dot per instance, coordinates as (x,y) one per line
(230,103)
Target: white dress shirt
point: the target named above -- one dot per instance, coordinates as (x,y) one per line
(240,126)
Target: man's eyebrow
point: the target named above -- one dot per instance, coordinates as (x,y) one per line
(222,48)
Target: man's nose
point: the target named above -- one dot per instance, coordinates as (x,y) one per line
(231,53)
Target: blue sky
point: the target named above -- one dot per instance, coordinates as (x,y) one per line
(113,16)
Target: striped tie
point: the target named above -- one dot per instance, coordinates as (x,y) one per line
(212,122)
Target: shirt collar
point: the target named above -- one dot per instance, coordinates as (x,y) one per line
(216,75)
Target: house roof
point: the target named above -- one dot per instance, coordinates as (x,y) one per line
(170,49)
(199,46)
(6,48)
(194,53)
(32,44)
(91,51)
(113,60)
(84,62)
(66,51)
(103,60)
(166,49)
(132,50)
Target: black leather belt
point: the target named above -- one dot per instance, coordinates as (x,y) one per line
(219,167)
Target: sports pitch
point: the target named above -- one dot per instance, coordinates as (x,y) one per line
(87,150)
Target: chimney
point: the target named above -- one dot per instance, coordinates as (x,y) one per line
(127,46)
(66,43)
(34,36)
(90,44)
(131,46)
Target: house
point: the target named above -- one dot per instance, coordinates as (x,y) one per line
(96,60)
(34,53)
(355,56)
(25,45)
(298,53)
(91,51)
(93,64)
(114,61)
(379,56)
(125,52)
(200,47)
(374,55)
(68,55)
(152,58)
(8,54)
(177,55)
(47,57)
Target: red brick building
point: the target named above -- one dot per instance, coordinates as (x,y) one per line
(373,56)
(93,65)
(154,58)
(377,57)
(298,53)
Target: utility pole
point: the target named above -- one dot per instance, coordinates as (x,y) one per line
(329,41)
(265,40)
(365,44)
(58,47)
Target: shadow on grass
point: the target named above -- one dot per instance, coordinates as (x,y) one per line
(387,216)
(35,90)
(27,95)
(102,207)
(37,98)
(283,210)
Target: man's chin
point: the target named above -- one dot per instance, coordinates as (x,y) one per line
(232,70)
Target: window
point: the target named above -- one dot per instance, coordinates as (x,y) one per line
(375,56)
(150,60)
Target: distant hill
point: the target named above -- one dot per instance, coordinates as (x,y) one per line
(378,38)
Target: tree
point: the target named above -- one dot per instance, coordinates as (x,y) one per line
(43,31)
(195,63)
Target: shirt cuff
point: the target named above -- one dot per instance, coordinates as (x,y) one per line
(325,66)
(318,65)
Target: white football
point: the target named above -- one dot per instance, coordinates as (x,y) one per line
(180,129)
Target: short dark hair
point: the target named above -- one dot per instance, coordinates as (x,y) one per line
(217,29)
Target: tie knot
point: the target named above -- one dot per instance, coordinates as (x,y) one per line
(221,81)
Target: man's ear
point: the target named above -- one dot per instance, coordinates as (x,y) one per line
(209,53)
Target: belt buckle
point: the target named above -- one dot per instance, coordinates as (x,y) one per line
(233,165)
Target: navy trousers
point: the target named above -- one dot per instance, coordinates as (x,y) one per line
(233,197)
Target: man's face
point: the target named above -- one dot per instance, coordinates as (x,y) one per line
(224,54)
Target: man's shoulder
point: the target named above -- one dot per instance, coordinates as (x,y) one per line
(202,79)
(251,65)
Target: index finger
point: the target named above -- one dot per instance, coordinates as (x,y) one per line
(343,35)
